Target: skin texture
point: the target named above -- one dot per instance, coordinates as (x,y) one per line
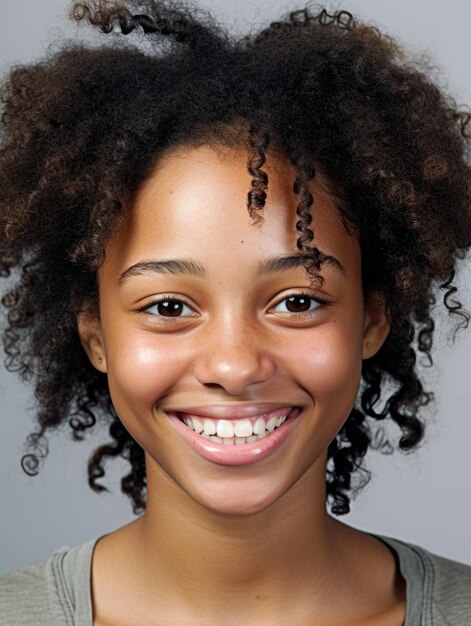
(221,544)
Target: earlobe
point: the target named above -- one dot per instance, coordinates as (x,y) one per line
(89,330)
(376,326)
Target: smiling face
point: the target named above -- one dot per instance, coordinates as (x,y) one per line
(227,327)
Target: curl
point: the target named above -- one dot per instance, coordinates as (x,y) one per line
(258,141)
(454,306)
(169,19)
(38,447)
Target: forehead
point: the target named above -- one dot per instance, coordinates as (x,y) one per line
(194,204)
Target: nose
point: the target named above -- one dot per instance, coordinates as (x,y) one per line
(234,358)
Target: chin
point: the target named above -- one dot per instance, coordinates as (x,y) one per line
(237,501)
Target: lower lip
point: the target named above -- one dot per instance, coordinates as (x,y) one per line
(233,454)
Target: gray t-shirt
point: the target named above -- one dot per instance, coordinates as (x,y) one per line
(56,590)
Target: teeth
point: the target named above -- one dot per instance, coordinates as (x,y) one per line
(271,424)
(259,427)
(209,427)
(237,440)
(235,431)
(224,428)
(243,428)
(197,425)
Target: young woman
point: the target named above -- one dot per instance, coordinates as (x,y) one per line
(230,250)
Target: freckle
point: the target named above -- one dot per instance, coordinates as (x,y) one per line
(241,242)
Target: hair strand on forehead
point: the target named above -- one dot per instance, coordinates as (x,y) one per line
(258,141)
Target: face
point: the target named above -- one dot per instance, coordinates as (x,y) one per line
(227,331)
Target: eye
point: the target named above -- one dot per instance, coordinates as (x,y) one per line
(168,307)
(301,303)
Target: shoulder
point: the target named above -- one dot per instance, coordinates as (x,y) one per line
(443,584)
(29,596)
(450,588)
(50,592)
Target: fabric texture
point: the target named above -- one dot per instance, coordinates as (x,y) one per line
(56,590)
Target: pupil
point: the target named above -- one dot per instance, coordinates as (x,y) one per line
(169,308)
(297,304)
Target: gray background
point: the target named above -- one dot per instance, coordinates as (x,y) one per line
(423,498)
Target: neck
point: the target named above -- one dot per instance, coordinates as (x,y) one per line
(289,563)
(196,547)
(216,562)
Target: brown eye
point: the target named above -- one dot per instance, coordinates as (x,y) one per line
(168,308)
(298,304)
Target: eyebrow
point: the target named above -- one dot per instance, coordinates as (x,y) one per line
(188,267)
(169,266)
(284,263)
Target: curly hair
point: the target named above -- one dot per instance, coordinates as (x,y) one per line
(83,128)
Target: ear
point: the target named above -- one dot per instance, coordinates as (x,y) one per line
(376,325)
(91,338)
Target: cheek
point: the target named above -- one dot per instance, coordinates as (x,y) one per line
(142,369)
(328,366)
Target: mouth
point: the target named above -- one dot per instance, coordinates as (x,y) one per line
(236,431)
(268,433)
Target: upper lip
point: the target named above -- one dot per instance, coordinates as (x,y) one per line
(231,411)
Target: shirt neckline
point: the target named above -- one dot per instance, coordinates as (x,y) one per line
(76,565)
(413,568)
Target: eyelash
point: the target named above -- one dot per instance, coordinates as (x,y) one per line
(323,303)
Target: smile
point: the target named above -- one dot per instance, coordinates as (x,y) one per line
(236,442)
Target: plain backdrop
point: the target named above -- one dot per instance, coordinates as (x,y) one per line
(423,498)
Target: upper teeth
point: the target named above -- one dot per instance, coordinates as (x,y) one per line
(234,428)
